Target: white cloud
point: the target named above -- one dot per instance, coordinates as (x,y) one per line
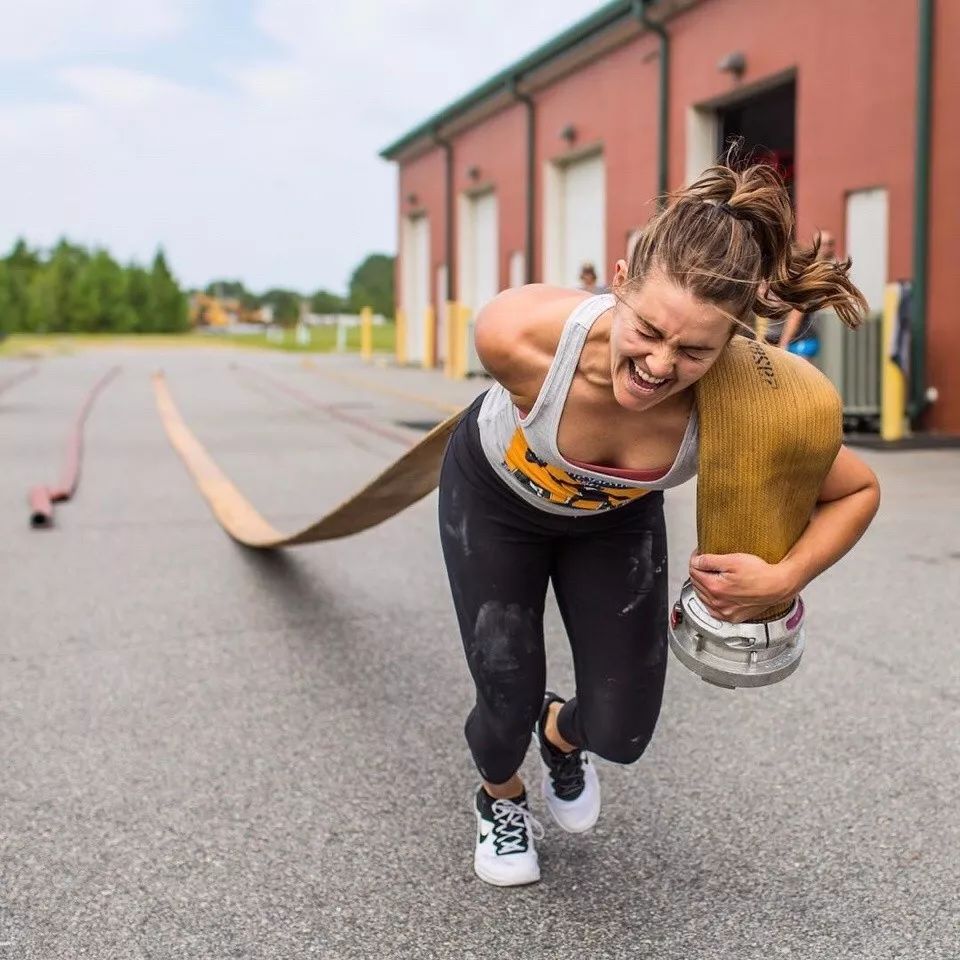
(274,179)
(42,29)
(115,85)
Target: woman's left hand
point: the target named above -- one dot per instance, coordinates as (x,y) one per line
(737,587)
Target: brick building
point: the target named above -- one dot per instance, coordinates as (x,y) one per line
(555,160)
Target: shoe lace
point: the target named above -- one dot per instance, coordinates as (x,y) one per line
(566,772)
(511,821)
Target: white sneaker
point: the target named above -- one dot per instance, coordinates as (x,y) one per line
(570,785)
(505,854)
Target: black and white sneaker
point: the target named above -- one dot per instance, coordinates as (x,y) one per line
(570,784)
(505,855)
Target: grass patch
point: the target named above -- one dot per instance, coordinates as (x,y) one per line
(322,340)
(63,344)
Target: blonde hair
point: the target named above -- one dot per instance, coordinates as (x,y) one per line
(728,239)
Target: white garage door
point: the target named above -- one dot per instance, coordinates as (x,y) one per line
(486,275)
(584,226)
(574,220)
(479,254)
(479,259)
(416,282)
(867,243)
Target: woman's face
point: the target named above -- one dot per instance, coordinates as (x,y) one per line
(662,340)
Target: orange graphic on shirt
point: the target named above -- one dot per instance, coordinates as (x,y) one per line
(549,482)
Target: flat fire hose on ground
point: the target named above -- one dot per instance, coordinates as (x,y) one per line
(403,483)
(42,498)
(770,428)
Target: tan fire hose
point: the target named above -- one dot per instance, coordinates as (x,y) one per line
(403,483)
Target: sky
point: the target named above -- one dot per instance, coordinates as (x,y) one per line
(242,136)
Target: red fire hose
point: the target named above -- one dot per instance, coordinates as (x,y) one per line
(43,498)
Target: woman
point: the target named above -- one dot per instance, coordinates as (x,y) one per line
(557,472)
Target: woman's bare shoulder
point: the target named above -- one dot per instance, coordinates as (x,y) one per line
(517,333)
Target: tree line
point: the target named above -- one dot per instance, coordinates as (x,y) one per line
(70,289)
(371,285)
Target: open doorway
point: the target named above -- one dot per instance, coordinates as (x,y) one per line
(766,123)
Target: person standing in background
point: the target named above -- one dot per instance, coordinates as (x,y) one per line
(588,279)
(799,334)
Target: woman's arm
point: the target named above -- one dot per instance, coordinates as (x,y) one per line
(790,328)
(516,335)
(738,586)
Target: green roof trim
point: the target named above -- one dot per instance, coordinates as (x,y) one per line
(606,16)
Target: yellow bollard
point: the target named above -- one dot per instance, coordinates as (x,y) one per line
(450,339)
(400,333)
(366,333)
(429,338)
(893,386)
(462,332)
(451,312)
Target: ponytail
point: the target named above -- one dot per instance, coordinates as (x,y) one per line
(728,238)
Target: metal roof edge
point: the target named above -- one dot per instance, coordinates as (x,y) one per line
(605,17)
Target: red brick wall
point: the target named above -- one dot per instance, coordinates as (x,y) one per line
(613,103)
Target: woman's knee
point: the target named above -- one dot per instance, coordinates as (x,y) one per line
(617,736)
(506,724)
(505,654)
(624,751)
(499,738)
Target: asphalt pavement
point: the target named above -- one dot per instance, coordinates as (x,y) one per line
(212,753)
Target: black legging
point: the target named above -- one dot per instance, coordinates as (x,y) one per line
(609,573)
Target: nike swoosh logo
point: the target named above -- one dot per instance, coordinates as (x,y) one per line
(484,829)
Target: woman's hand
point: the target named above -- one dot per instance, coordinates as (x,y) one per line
(737,587)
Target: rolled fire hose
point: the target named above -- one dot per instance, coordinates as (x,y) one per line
(770,428)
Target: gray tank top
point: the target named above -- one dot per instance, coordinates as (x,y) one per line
(523,450)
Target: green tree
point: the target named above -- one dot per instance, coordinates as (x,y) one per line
(138,299)
(7,306)
(233,289)
(43,303)
(63,267)
(285,303)
(99,300)
(372,284)
(325,302)
(21,263)
(169,305)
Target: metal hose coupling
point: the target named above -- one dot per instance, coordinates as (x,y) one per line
(735,655)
